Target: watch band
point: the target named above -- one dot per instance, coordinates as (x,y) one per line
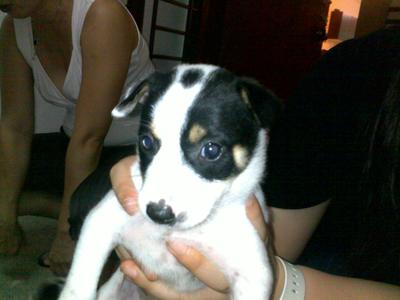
(294,287)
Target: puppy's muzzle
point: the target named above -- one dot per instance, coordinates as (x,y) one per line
(161,213)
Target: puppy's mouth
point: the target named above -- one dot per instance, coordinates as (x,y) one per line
(5,8)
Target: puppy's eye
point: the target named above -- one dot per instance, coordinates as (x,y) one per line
(147,142)
(211,151)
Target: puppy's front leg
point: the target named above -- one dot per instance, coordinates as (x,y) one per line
(99,235)
(243,260)
(251,278)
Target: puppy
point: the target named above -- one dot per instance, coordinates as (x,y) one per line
(202,152)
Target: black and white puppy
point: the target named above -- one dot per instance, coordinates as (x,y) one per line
(202,152)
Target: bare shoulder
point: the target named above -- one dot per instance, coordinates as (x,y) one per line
(7,31)
(108,11)
(8,43)
(108,18)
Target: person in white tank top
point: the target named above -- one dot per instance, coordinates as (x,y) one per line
(85,56)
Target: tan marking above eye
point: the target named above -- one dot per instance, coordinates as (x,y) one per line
(153,130)
(196,133)
(240,156)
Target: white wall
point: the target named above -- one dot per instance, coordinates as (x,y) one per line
(165,43)
(350,9)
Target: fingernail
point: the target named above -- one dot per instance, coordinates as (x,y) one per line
(131,206)
(129,271)
(177,247)
(151,276)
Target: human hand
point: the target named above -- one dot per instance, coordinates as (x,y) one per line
(217,286)
(61,253)
(123,186)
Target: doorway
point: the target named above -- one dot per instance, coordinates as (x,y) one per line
(342,22)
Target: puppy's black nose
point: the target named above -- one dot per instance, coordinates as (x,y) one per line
(161,213)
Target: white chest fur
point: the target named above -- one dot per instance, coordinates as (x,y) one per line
(227,238)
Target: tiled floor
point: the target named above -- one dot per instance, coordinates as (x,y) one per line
(20,275)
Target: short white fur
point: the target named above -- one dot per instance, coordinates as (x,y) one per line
(215,223)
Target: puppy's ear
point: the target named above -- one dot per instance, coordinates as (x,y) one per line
(264,105)
(132,104)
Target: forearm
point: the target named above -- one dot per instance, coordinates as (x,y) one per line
(14,160)
(293,228)
(107,33)
(81,159)
(320,285)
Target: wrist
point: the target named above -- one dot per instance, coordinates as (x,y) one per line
(279,279)
(62,225)
(290,283)
(62,229)
(62,222)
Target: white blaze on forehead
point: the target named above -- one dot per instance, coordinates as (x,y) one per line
(168,176)
(170,113)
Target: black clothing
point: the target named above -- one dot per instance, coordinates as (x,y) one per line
(47,167)
(47,162)
(319,149)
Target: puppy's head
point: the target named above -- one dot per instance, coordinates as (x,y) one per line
(201,142)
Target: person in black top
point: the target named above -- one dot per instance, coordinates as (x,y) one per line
(339,140)
(334,157)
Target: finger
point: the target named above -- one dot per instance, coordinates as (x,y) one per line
(206,293)
(123,185)
(65,268)
(256,217)
(46,260)
(155,288)
(124,254)
(53,266)
(59,268)
(199,265)
(161,291)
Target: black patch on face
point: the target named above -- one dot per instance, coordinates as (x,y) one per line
(158,84)
(228,122)
(190,77)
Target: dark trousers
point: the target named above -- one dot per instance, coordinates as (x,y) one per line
(47,168)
